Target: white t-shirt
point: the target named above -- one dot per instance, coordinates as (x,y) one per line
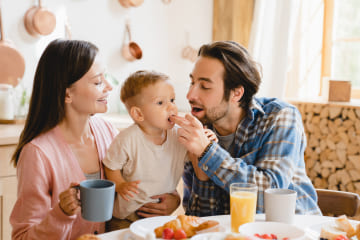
(158,167)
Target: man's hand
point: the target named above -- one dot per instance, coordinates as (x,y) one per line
(168,203)
(198,171)
(210,135)
(191,134)
(126,189)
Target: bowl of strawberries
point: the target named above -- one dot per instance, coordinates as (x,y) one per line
(272,231)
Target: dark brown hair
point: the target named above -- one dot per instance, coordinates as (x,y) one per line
(62,63)
(137,81)
(240,68)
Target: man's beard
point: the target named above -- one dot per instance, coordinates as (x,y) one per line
(216,113)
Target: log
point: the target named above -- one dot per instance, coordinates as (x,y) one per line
(351,115)
(355,159)
(324,114)
(357,111)
(332,155)
(334,112)
(354,175)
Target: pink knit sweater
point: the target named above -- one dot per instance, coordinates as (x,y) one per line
(46,168)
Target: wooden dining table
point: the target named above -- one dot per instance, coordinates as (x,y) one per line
(303,221)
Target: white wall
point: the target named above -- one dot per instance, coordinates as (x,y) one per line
(158,28)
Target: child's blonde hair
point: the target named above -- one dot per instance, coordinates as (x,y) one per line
(137,81)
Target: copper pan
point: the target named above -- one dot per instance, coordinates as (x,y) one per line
(136,3)
(12,63)
(125,3)
(130,50)
(38,20)
(68,34)
(188,51)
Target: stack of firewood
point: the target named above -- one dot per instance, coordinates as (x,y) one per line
(332,156)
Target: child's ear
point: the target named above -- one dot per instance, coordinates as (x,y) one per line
(237,94)
(68,96)
(136,114)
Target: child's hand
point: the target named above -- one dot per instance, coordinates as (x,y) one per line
(126,189)
(210,135)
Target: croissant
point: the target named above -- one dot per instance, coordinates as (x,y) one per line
(88,237)
(190,225)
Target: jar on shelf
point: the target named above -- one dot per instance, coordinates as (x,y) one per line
(7,109)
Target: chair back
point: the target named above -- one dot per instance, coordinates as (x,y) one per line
(336,203)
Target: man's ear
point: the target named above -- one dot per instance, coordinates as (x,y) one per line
(237,94)
(136,114)
(68,96)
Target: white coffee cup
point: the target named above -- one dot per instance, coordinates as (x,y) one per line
(280,205)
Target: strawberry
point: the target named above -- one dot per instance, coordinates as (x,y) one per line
(179,234)
(266,236)
(273,236)
(341,237)
(168,233)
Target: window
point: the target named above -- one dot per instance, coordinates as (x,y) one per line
(341,45)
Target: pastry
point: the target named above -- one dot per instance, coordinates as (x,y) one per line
(331,232)
(190,224)
(210,224)
(88,237)
(343,224)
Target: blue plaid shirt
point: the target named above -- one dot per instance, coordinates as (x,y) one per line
(269,151)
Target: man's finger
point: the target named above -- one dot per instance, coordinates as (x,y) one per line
(181,121)
(193,121)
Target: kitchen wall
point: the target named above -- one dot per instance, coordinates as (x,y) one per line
(160,29)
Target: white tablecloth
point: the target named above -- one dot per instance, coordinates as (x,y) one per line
(302,221)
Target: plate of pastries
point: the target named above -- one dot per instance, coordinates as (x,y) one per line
(175,227)
(340,228)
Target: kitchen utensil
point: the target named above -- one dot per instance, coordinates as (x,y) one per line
(130,50)
(188,51)
(7,109)
(38,20)
(131,3)
(68,34)
(136,3)
(12,63)
(125,3)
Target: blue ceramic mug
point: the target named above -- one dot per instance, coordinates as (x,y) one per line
(97,199)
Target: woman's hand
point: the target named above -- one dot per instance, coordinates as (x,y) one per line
(168,203)
(69,202)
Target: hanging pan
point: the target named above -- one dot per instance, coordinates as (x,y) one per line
(12,63)
(130,50)
(38,20)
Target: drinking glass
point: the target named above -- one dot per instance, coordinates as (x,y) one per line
(243,198)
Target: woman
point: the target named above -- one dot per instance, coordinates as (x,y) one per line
(62,143)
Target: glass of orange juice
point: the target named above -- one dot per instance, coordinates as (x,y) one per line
(243,198)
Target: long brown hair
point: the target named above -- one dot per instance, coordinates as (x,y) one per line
(62,63)
(240,68)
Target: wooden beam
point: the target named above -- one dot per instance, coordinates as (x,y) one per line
(232,20)
(327,41)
